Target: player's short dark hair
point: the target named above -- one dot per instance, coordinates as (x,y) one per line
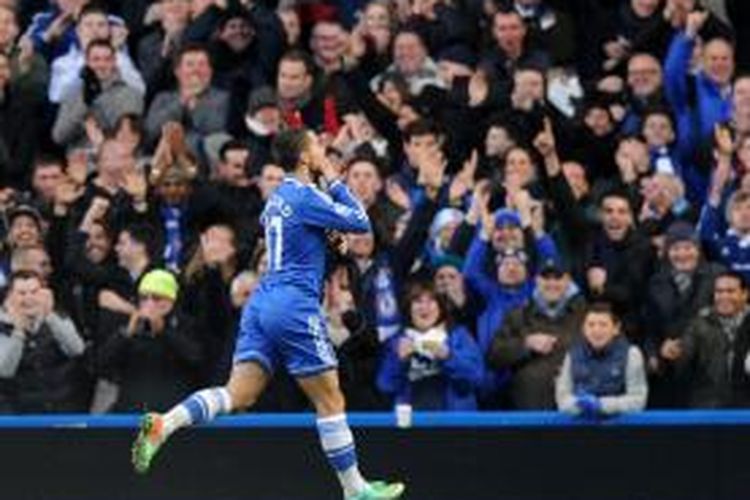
(287,148)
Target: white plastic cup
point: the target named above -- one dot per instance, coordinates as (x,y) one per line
(403,416)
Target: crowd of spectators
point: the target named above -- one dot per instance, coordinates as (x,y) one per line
(559,192)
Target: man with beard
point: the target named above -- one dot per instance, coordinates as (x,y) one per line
(90,262)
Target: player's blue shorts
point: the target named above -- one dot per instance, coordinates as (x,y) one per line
(284,325)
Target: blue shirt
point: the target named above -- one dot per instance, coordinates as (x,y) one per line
(296,218)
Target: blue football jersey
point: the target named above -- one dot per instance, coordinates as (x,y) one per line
(296,218)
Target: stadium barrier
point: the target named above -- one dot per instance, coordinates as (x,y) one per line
(650,456)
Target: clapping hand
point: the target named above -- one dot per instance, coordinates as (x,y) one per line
(438,350)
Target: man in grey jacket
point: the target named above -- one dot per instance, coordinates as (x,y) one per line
(195,103)
(38,348)
(103,97)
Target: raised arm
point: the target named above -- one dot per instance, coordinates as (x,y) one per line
(677,64)
(338,210)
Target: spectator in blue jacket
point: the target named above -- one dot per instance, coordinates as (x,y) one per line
(53,31)
(726,233)
(730,245)
(431,364)
(703,99)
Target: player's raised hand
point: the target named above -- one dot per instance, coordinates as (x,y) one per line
(317,160)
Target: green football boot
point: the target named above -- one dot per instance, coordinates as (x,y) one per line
(150,439)
(380,490)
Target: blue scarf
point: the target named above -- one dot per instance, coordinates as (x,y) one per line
(172,217)
(387,315)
